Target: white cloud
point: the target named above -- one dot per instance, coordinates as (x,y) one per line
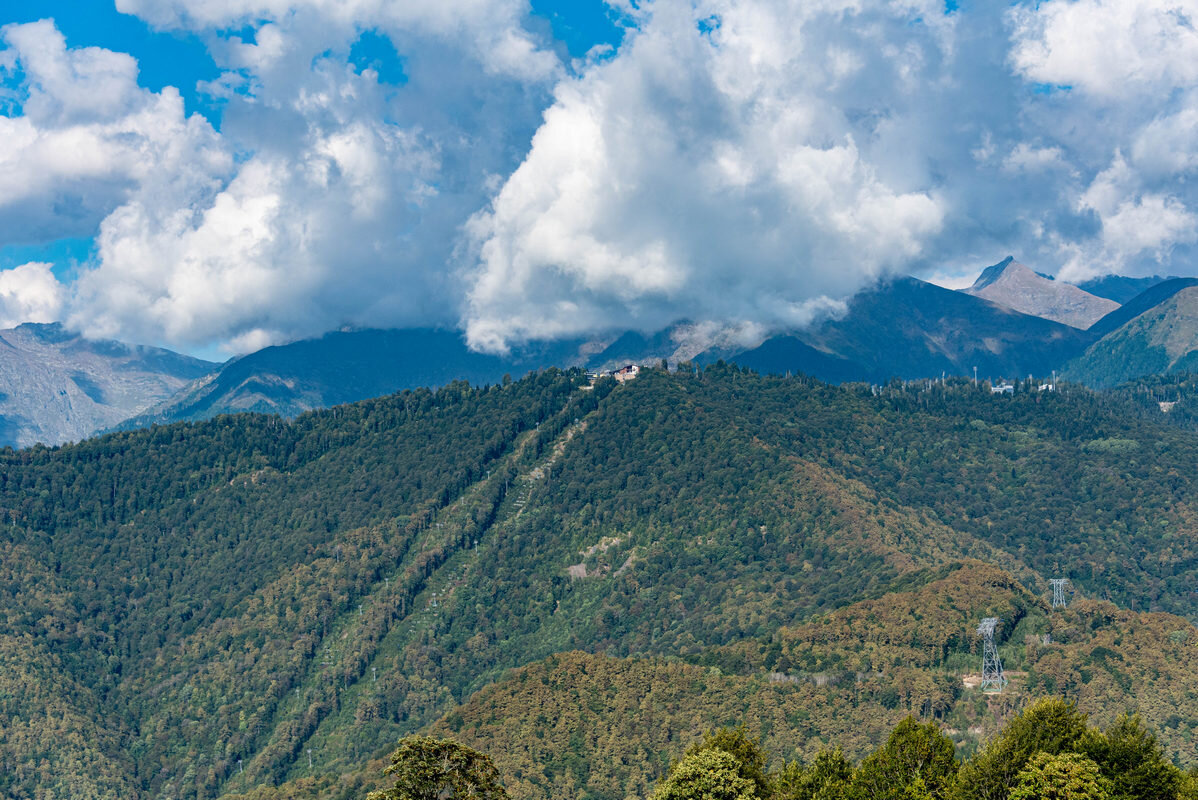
(743,164)
(293,245)
(1025,157)
(346,202)
(492,29)
(1126,120)
(342,202)
(29,293)
(1167,146)
(1134,222)
(711,174)
(89,136)
(1107,47)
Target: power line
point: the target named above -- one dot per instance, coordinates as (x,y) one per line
(992,674)
(1058,592)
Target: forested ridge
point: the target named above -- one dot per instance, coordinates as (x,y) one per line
(199,609)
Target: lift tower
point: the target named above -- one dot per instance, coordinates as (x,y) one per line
(993,679)
(1058,591)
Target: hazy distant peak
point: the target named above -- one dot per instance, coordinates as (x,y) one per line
(1016,286)
(58,386)
(1121,288)
(993,273)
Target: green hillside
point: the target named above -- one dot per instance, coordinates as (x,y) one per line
(1160,340)
(579,725)
(200,609)
(583,725)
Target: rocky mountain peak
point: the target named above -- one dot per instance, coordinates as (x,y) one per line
(1017,286)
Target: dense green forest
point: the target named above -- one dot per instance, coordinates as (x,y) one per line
(1049,751)
(200,610)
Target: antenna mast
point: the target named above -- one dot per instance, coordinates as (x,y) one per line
(993,679)
(1058,592)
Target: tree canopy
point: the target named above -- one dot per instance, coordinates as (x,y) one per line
(424,768)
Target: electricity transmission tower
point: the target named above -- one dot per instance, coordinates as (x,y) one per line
(992,676)
(1058,591)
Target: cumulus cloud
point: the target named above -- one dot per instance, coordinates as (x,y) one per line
(1026,157)
(1107,47)
(712,170)
(741,164)
(492,29)
(344,205)
(29,293)
(291,245)
(1166,146)
(753,160)
(88,137)
(1125,109)
(1134,222)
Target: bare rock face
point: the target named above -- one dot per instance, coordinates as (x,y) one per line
(1013,285)
(56,386)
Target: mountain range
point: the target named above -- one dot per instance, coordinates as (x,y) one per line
(908,328)
(1120,288)
(56,386)
(1011,323)
(341,367)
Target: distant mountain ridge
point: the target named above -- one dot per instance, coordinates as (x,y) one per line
(1145,301)
(1011,322)
(904,327)
(1159,340)
(909,328)
(56,386)
(1016,286)
(339,367)
(1120,288)
(350,365)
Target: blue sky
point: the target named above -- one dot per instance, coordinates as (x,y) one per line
(180,58)
(166,58)
(216,177)
(175,58)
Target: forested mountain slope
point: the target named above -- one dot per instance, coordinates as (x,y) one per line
(1147,300)
(1162,339)
(201,605)
(585,725)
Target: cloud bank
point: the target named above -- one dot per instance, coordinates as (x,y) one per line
(742,164)
(713,169)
